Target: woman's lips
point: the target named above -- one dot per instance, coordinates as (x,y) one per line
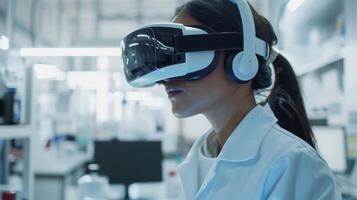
(173,92)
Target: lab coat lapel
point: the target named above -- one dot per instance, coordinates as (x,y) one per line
(207,180)
(188,170)
(188,175)
(245,141)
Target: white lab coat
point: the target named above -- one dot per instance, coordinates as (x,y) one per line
(260,160)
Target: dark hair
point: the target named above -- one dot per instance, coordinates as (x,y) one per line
(285,98)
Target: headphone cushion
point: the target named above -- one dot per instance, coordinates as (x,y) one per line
(228,65)
(245,67)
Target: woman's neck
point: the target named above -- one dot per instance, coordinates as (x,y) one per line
(226,116)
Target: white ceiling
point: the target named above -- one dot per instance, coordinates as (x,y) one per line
(81,22)
(96,22)
(84,22)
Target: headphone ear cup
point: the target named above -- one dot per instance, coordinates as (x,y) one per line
(229,66)
(245,67)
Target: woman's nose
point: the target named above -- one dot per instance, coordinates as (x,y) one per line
(168,81)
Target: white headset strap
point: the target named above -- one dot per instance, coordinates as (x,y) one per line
(273,55)
(248,26)
(262,48)
(252,44)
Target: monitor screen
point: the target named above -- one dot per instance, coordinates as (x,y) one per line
(332,145)
(129,162)
(2,162)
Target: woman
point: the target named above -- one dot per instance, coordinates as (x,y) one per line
(252,151)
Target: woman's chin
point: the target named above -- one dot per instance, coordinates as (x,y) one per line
(182,113)
(179,115)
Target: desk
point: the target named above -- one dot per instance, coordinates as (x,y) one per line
(147,191)
(53,175)
(347,185)
(142,191)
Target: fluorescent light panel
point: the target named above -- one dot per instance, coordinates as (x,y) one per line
(70,52)
(88,80)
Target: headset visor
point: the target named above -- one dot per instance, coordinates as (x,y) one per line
(168,51)
(148,49)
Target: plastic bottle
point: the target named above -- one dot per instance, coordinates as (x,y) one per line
(172,184)
(93,186)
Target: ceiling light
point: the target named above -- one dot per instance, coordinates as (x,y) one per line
(69,52)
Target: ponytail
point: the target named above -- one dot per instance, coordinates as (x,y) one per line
(287,103)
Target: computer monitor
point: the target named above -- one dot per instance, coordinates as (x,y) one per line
(2,162)
(318,122)
(128,162)
(332,145)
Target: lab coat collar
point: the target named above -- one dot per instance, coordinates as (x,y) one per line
(245,141)
(243,145)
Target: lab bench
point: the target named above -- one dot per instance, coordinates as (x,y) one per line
(53,177)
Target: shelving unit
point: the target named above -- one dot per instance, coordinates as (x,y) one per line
(319,63)
(314,39)
(15,132)
(24,132)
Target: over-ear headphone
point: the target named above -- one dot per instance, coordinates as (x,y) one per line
(243,66)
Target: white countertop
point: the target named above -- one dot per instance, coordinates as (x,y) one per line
(59,166)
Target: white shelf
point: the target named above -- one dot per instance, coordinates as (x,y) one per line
(318,63)
(15,132)
(10,188)
(318,12)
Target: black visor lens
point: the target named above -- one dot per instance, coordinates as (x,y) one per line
(148,49)
(138,53)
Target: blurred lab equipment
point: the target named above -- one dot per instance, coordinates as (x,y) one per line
(9,195)
(10,192)
(172,184)
(92,185)
(9,107)
(128,162)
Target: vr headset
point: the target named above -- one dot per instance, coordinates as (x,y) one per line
(169,51)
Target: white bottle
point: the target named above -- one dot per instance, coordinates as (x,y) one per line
(172,184)
(93,186)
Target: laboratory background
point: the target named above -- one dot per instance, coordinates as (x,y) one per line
(71,126)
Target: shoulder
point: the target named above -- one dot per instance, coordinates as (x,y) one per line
(288,151)
(288,144)
(296,162)
(292,154)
